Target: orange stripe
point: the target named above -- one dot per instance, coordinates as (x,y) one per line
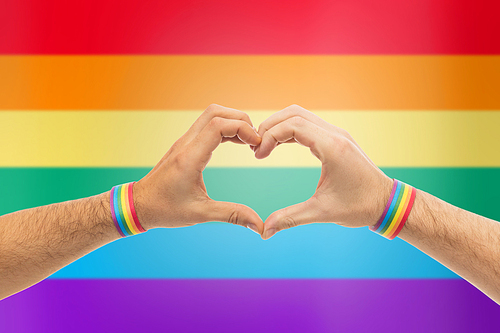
(249,82)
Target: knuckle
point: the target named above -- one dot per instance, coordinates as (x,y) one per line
(342,145)
(297,121)
(288,222)
(211,109)
(176,145)
(246,118)
(344,133)
(269,136)
(293,109)
(234,217)
(262,129)
(285,220)
(215,122)
(179,161)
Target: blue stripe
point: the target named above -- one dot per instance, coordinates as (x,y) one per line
(218,250)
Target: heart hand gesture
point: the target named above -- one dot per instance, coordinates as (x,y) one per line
(352,190)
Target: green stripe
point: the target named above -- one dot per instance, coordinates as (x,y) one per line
(473,189)
(395,209)
(225,251)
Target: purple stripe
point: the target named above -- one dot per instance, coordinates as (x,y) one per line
(112,207)
(249,306)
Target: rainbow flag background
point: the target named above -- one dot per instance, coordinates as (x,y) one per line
(76,77)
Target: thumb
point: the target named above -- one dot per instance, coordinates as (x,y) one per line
(292,216)
(234,213)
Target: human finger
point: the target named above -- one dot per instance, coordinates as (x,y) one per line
(289,112)
(234,213)
(213,111)
(201,147)
(296,128)
(302,213)
(298,111)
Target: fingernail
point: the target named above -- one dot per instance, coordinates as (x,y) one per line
(254,228)
(270,233)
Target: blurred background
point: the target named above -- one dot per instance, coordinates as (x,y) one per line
(93,93)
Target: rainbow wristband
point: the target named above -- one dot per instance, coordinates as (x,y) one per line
(123,211)
(397,210)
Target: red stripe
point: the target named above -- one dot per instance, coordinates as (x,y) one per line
(407,213)
(249,27)
(132,208)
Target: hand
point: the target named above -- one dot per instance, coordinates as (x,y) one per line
(173,194)
(352,191)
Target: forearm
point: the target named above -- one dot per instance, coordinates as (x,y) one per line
(466,243)
(34,243)
(347,193)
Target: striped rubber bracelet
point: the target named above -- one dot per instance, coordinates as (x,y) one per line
(397,210)
(121,201)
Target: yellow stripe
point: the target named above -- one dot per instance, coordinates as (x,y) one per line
(126,209)
(140,138)
(397,216)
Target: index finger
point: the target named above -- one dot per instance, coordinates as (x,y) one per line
(289,112)
(301,130)
(211,112)
(294,111)
(201,147)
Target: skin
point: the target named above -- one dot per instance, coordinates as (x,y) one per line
(35,243)
(353,191)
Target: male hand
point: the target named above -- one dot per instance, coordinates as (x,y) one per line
(352,191)
(173,194)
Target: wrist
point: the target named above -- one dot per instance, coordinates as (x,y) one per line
(382,197)
(123,212)
(140,203)
(396,211)
(418,225)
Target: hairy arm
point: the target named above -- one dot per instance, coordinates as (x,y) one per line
(466,243)
(34,243)
(353,191)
